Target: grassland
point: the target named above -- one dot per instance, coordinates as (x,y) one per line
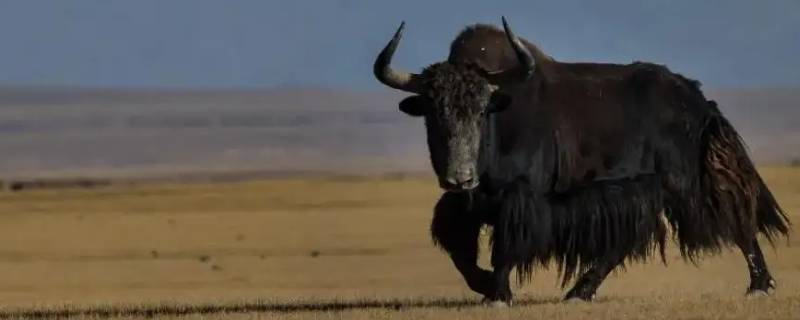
(307,248)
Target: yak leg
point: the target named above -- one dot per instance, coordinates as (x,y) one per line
(761,282)
(500,295)
(586,286)
(456,230)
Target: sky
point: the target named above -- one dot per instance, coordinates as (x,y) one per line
(332,43)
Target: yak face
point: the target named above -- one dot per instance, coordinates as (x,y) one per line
(455,102)
(454,98)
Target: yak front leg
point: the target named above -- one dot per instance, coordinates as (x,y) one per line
(501,294)
(456,229)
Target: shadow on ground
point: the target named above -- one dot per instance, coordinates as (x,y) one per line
(265,307)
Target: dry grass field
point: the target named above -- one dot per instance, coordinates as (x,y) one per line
(342,248)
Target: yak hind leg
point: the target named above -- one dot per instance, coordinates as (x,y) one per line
(631,228)
(761,282)
(585,288)
(456,229)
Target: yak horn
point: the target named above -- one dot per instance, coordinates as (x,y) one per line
(527,59)
(523,55)
(400,80)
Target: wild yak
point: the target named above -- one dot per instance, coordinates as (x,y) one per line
(582,164)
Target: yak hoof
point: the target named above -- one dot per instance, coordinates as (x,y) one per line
(576,300)
(757,294)
(496,304)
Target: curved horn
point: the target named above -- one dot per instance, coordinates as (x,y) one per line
(523,55)
(528,58)
(393,78)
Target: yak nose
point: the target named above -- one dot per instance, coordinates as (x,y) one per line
(462,179)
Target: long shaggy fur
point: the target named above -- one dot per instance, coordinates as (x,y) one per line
(727,202)
(616,219)
(714,197)
(457,220)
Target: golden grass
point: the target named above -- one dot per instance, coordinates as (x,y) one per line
(316,248)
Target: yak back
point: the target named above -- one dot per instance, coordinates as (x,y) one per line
(585,129)
(599,121)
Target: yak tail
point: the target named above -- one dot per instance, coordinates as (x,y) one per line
(728,202)
(771,219)
(725,154)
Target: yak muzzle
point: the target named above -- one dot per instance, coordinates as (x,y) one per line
(460,180)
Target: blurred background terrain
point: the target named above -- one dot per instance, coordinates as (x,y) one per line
(56,133)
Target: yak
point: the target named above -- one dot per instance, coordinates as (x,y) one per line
(587,166)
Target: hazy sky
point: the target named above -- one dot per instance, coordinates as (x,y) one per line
(234,43)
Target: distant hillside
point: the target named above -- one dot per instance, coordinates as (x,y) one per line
(58,132)
(767,119)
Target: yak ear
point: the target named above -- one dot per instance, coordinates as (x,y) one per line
(415,106)
(499,102)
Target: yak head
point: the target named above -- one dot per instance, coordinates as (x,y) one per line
(454,99)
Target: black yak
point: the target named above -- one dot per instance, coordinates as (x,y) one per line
(582,164)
